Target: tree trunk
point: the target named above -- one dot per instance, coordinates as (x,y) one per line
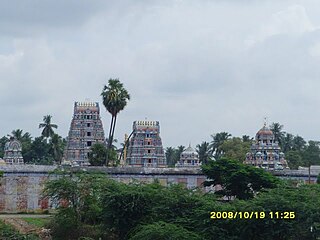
(113,128)
(108,143)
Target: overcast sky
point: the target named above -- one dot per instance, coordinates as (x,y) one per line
(199,67)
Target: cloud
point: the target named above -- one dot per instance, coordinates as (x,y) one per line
(292,20)
(185,63)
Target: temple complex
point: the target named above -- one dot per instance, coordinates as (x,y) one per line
(145,146)
(265,152)
(12,152)
(189,158)
(86,129)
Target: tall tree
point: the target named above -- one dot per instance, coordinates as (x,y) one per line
(170,156)
(98,154)
(204,152)
(47,127)
(56,148)
(235,148)
(115,98)
(236,179)
(276,128)
(298,143)
(217,140)
(287,142)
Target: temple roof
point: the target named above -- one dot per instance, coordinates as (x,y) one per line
(265,131)
(190,150)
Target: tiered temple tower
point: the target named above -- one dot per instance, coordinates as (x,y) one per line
(12,152)
(86,129)
(265,152)
(189,158)
(145,147)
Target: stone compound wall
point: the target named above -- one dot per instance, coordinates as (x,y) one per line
(21,185)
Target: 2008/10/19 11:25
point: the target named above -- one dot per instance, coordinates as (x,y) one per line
(252,215)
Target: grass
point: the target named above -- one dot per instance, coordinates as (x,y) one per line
(8,233)
(39,222)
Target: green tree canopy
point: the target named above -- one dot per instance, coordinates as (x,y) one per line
(98,154)
(217,140)
(236,179)
(115,98)
(47,126)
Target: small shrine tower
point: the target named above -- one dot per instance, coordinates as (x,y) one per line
(189,158)
(265,152)
(145,147)
(12,152)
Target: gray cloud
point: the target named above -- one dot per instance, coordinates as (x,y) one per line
(199,67)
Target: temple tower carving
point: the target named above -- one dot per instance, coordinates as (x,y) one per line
(145,146)
(12,152)
(86,129)
(265,152)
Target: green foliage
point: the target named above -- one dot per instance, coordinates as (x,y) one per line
(318,179)
(56,147)
(145,211)
(8,233)
(78,199)
(173,155)
(3,141)
(98,154)
(47,127)
(236,179)
(163,231)
(303,201)
(294,159)
(217,140)
(37,151)
(235,148)
(115,98)
(204,152)
(39,222)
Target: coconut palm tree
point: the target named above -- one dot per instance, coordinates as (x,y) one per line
(276,128)
(47,127)
(56,147)
(170,155)
(115,98)
(217,140)
(204,152)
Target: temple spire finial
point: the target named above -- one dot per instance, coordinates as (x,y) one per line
(265,121)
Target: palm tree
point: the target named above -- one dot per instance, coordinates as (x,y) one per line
(204,152)
(170,156)
(287,142)
(276,128)
(56,147)
(47,127)
(115,98)
(217,140)
(246,138)
(17,134)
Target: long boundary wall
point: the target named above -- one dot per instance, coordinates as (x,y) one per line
(21,186)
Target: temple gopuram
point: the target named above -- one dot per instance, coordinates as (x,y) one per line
(86,129)
(145,146)
(189,158)
(265,152)
(12,152)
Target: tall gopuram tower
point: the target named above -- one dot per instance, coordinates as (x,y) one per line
(86,129)
(265,152)
(12,152)
(145,146)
